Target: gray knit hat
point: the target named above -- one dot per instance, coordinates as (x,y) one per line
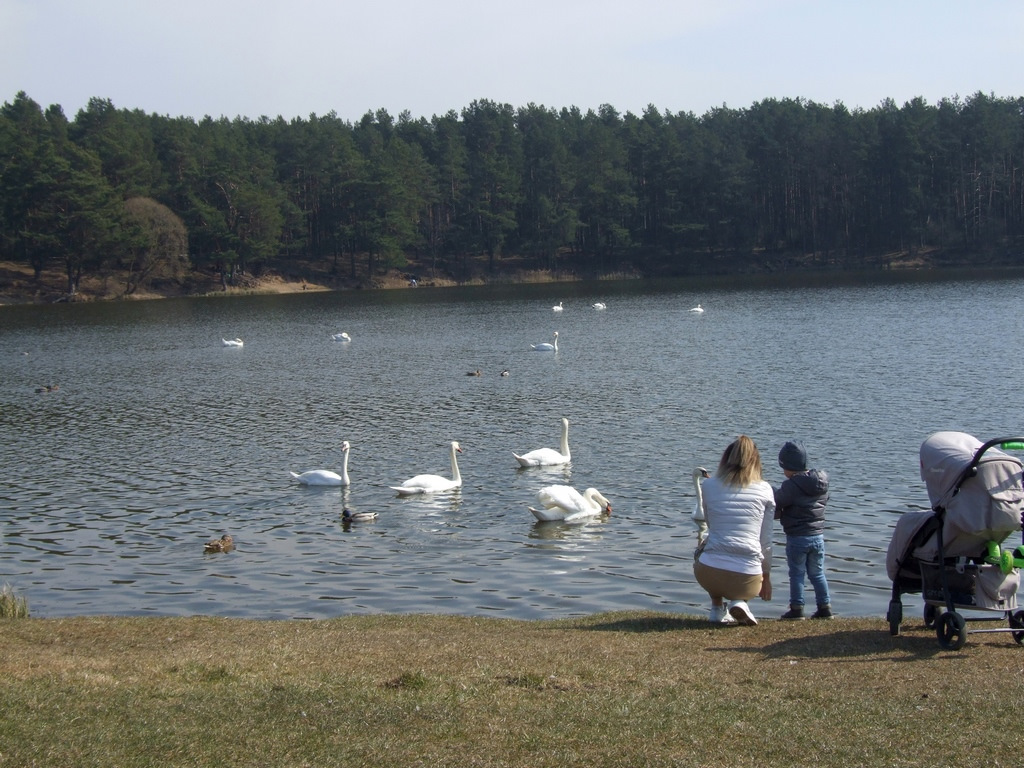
(793,456)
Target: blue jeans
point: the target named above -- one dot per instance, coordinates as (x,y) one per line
(806,557)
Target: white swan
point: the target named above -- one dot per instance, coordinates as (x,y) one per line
(433,483)
(544,457)
(563,502)
(545,347)
(599,305)
(236,342)
(698,309)
(698,509)
(325,476)
(341,336)
(557,308)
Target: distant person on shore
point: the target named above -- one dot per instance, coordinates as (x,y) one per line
(800,506)
(734,562)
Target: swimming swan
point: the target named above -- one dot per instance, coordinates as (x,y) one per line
(325,476)
(341,336)
(544,457)
(565,503)
(433,483)
(545,347)
(557,308)
(236,342)
(698,509)
(599,305)
(698,309)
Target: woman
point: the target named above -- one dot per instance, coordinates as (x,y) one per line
(736,559)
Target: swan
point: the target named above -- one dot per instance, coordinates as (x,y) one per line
(544,457)
(348,516)
(433,483)
(326,476)
(698,509)
(698,309)
(565,503)
(505,372)
(599,305)
(341,336)
(545,347)
(557,308)
(236,342)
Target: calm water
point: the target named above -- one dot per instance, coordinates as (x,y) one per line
(160,438)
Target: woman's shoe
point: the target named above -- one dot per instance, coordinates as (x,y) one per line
(740,611)
(719,615)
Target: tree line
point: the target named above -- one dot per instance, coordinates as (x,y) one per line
(595,191)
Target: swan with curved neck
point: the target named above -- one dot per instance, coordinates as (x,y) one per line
(545,457)
(557,308)
(433,483)
(565,503)
(545,347)
(326,476)
(698,309)
(236,342)
(698,509)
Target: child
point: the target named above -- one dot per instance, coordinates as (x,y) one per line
(800,506)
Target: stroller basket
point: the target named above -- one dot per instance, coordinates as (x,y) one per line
(971,586)
(954,554)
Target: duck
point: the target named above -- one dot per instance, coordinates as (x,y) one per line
(599,305)
(505,372)
(326,476)
(48,388)
(698,309)
(224,544)
(557,307)
(545,347)
(348,516)
(475,373)
(565,503)
(433,483)
(341,336)
(236,342)
(545,457)
(698,509)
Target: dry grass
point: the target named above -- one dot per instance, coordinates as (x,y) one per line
(609,690)
(12,606)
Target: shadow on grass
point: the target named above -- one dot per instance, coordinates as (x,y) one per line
(912,644)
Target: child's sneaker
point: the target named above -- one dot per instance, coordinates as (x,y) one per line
(823,612)
(794,613)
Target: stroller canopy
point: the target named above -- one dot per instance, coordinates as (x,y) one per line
(983,506)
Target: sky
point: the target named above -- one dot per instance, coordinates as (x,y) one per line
(262,58)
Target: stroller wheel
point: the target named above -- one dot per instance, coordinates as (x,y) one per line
(951,631)
(1017,622)
(894,616)
(931,613)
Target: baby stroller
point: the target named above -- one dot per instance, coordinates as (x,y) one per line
(953,554)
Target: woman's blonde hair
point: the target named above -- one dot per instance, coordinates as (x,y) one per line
(741,463)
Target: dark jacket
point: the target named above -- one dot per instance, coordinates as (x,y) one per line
(800,503)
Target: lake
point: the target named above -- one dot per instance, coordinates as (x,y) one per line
(160,438)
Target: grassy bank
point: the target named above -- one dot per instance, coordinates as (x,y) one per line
(608,690)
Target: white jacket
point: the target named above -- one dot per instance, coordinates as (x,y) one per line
(739,526)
